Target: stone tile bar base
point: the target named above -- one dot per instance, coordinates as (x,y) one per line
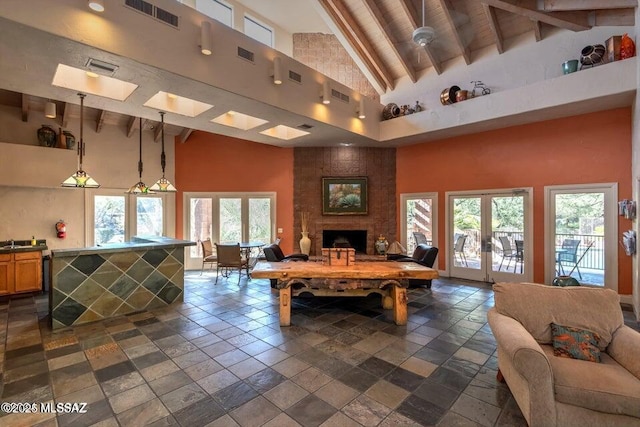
(98,283)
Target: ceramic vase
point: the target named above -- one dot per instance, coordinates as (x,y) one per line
(47,136)
(390,111)
(565,281)
(70,139)
(570,66)
(305,243)
(382,245)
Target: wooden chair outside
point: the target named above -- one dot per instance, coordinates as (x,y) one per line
(230,260)
(207,253)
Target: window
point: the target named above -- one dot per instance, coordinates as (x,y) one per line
(217,10)
(258,31)
(114,217)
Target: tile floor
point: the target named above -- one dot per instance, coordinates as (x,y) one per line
(221,359)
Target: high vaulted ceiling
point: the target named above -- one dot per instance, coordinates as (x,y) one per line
(379,32)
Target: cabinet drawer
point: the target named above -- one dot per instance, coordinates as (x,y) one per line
(19,256)
(5,257)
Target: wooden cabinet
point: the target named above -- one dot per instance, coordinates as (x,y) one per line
(20,272)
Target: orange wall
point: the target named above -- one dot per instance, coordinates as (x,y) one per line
(217,163)
(590,148)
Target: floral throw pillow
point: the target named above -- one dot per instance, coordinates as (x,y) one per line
(575,343)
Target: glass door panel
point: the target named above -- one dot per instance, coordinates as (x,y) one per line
(419,219)
(109,219)
(507,237)
(230,220)
(579,237)
(466,232)
(260,220)
(200,223)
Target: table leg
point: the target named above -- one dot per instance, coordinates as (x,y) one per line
(399,296)
(285,307)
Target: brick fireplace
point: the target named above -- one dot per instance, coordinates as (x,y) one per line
(377,164)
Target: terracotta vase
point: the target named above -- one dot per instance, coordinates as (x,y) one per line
(305,243)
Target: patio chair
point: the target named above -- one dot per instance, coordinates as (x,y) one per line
(458,248)
(508,253)
(420,238)
(229,260)
(569,254)
(207,254)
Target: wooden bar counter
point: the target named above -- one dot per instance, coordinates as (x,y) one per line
(390,279)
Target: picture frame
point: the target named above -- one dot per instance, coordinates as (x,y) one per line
(344,196)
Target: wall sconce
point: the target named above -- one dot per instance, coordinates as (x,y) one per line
(277,70)
(97,5)
(326,93)
(50,110)
(205,38)
(361,112)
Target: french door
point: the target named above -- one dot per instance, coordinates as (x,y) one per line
(227,218)
(420,214)
(489,235)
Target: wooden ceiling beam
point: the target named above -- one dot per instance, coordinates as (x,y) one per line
(411,12)
(185,134)
(537,29)
(495,27)
(358,41)
(132,126)
(567,5)
(613,18)
(378,18)
(447,7)
(100,120)
(25,107)
(574,21)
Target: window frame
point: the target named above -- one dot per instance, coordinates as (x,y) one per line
(259,23)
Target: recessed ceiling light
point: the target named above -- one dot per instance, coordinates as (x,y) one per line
(172,95)
(78,79)
(92,74)
(177,104)
(284,132)
(238,120)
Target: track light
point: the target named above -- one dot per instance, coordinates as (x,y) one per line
(97,5)
(326,93)
(50,110)
(361,112)
(277,70)
(205,38)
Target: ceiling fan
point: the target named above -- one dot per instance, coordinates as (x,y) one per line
(424,35)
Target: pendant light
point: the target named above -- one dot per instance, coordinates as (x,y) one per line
(80,179)
(139,187)
(163,183)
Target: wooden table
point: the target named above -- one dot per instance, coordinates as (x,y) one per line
(390,279)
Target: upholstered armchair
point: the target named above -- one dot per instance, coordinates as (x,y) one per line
(566,355)
(273,253)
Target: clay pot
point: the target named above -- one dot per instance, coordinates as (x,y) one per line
(390,111)
(47,137)
(461,95)
(592,55)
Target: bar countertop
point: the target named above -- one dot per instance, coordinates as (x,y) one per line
(136,244)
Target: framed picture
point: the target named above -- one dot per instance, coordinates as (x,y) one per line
(344,196)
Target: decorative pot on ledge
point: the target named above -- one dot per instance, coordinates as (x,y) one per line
(305,243)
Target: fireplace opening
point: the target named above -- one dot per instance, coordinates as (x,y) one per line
(356,239)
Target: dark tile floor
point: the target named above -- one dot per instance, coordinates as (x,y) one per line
(221,359)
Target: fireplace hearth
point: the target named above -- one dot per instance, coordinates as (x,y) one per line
(356,239)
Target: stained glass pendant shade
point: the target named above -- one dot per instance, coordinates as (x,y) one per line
(80,179)
(140,187)
(163,184)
